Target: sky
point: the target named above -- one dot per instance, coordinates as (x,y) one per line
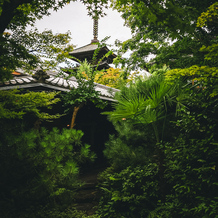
(73,17)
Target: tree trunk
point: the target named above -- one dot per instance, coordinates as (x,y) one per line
(8,12)
(75,111)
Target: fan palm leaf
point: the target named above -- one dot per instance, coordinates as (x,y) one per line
(146,102)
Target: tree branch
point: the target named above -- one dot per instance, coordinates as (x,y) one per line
(9,11)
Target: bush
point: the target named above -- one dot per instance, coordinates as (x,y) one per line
(129,148)
(133,192)
(43,168)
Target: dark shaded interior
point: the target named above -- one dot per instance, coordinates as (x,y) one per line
(96,127)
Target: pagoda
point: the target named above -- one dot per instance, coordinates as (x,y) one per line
(87,52)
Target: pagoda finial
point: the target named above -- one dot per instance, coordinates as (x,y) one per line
(95,30)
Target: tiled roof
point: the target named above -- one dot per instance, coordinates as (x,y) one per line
(86,48)
(87,52)
(54,82)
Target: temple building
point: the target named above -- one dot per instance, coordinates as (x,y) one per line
(87,52)
(95,126)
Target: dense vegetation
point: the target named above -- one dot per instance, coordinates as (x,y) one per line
(164,155)
(44,163)
(163,158)
(162,164)
(43,168)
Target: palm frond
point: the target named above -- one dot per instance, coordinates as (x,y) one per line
(127,108)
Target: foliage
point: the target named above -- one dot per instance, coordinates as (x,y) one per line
(191,160)
(209,18)
(191,175)
(186,157)
(146,102)
(129,193)
(195,72)
(204,76)
(211,53)
(15,44)
(15,104)
(31,49)
(134,143)
(43,167)
(83,93)
(154,70)
(15,14)
(130,147)
(13,56)
(142,113)
(164,33)
(186,163)
(114,78)
(85,89)
(45,45)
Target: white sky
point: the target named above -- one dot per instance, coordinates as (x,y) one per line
(73,17)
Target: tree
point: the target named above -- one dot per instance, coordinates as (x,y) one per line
(83,93)
(167,30)
(204,75)
(19,49)
(44,167)
(15,13)
(142,117)
(208,18)
(111,77)
(20,13)
(14,104)
(30,49)
(185,181)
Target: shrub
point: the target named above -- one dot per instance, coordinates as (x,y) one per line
(43,168)
(133,192)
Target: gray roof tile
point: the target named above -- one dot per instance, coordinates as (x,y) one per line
(54,83)
(13,81)
(65,83)
(20,81)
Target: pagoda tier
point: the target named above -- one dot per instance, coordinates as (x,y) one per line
(87,52)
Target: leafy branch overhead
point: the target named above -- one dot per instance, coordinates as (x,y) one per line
(20,49)
(209,17)
(166,32)
(20,13)
(31,49)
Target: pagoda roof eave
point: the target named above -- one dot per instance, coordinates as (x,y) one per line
(89,50)
(86,48)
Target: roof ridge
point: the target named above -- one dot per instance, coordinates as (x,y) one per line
(54,83)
